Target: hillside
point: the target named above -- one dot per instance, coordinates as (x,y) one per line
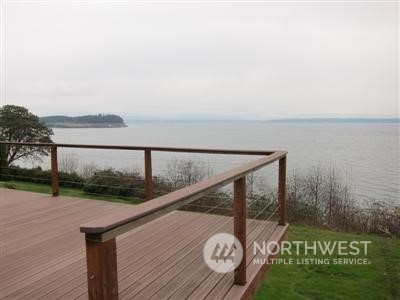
(87,121)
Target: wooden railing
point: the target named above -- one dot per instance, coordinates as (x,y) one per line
(147,157)
(100,235)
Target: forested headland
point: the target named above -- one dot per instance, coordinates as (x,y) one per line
(87,121)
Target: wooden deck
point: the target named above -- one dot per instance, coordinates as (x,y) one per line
(43,252)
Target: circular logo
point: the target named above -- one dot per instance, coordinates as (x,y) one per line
(223,252)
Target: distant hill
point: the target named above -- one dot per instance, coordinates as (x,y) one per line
(88,121)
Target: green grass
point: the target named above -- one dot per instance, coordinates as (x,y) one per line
(378,280)
(46,189)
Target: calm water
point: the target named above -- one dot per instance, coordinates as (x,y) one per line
(366,155)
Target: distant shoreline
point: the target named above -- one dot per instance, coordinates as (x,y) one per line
(308,120)
(336,120)
(211,121)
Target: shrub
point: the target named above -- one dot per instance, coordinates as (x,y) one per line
(37,175)
(117,183)
(71,180)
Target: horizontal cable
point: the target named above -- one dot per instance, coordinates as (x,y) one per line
(159,159)
(26,177)
(114,196)
(208,207)
(264,209)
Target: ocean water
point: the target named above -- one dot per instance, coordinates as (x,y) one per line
(365,155)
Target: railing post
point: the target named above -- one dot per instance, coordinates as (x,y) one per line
(54,171)
(239,205)
(148,175)
(282,191)
(102,274)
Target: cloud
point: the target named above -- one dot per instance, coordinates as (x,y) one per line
(264,59)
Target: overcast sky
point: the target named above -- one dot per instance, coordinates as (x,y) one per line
(236,60)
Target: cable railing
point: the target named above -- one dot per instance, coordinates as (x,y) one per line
(148,168)
(100,235)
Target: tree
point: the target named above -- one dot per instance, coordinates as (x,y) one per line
(17,124)
(185,172)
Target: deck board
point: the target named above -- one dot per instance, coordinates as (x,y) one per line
(43,252)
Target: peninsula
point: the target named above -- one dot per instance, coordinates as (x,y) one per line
(88,121)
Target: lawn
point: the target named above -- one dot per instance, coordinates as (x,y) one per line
(378,280)
(46,189)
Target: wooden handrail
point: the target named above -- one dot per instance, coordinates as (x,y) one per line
(143,148)
(112,226)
